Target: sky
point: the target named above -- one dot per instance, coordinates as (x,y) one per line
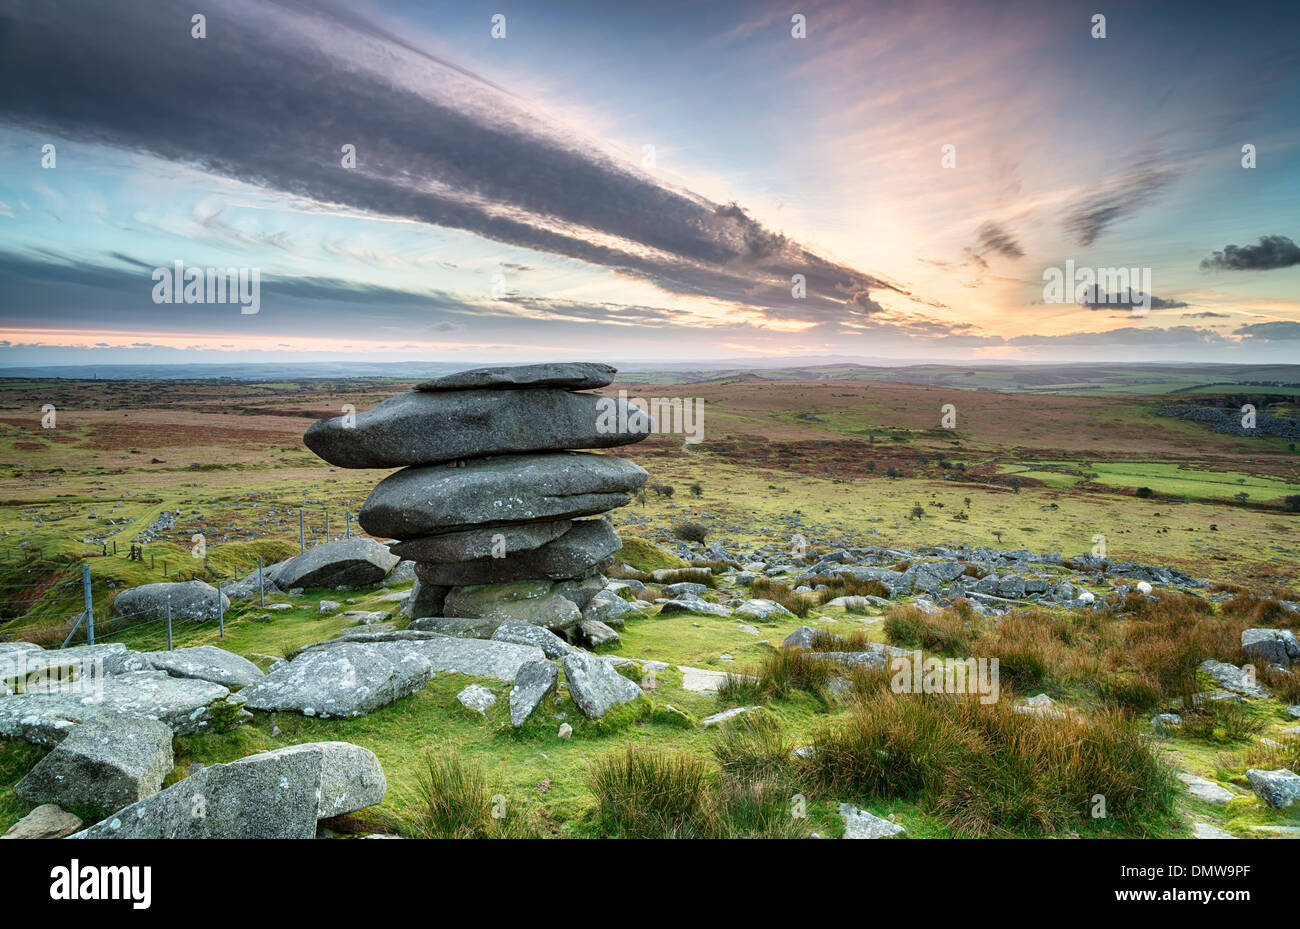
(651,182)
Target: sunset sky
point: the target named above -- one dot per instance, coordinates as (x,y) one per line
(640,182)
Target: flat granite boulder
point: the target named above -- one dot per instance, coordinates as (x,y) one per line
(102,764)
(193,600)
(207,663)
(36,668)
(571,375)
(594,685)
(349,679)
(471,657)
(272,795)
(423,501)
(345,562)
(472,544)
(1232,678)
(428,427)
(573,554)
(186,705)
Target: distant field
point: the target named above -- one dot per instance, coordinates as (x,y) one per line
(1161,477)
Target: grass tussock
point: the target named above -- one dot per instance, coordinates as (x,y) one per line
(1221,721)
(988,771)
(453,801)
(784,594)
(783,673)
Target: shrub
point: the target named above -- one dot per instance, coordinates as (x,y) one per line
(689,531)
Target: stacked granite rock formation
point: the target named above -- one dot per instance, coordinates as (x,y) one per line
(490,498)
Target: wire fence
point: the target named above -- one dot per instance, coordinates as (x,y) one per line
(50,588)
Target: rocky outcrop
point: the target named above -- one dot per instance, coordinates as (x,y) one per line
(193,600)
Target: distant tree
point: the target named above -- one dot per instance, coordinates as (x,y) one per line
(697,490)
(1015,483)
(1241,497)
(997,534)
(871,466)
(1144,492)
(966,500)
(918,512)
(1292,503)
(891,472)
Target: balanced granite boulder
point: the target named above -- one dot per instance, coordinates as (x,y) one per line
(571,375)
(588,544)
(427,427)
(475,544)
(498,491)
(343,563)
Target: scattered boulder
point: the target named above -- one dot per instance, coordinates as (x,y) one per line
(1279,788)
(761,610)
(102,764)
(47,821)
(859,824)
(353,562)
(192,600)
(478,698)
(207,663)
(595,686)
(1232,678)
(1205,790)
(596,633)
(349,679)
(534,682)
(1271,646)
(689,603)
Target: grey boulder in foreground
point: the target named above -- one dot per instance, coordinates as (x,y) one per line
(594,685)
(424,501)
(571,375)
(102,764)
(422,427)
(273,795)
